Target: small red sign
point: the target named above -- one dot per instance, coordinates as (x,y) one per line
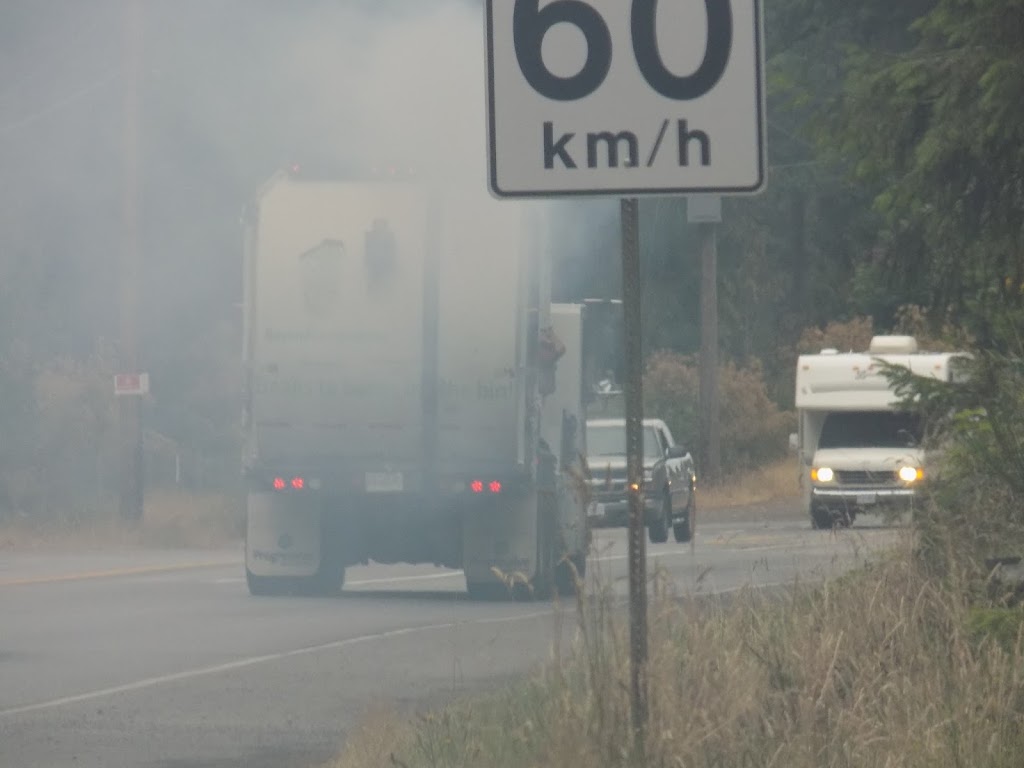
(131,383)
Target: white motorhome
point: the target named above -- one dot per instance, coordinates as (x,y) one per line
(401,403)
(859,453)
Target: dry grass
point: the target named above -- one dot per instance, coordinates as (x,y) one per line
(374,742)
(879,668)
(773,482)
(171,521)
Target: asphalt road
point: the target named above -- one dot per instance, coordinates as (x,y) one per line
(163,659)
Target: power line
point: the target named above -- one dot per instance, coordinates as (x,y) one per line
(25,77)
(57,106)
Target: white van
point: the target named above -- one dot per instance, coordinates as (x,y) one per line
(859,453)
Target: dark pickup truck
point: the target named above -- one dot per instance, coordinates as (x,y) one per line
(670,480)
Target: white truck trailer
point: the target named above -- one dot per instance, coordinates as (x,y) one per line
(858,452)
(401,403)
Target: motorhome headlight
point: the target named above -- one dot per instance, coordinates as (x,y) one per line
(910,474)
(823,475)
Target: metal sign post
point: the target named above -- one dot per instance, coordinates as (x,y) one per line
(635,465)
(130,410)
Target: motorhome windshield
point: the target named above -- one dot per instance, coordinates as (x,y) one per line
(870,429)
(611,441)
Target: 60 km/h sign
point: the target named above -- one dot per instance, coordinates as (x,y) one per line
(625,97)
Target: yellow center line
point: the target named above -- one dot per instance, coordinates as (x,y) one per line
(117,573)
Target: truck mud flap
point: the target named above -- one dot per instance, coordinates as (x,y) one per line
(501,543)
(282,536)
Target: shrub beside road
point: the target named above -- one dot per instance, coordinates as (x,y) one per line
(885,666)
(172,521)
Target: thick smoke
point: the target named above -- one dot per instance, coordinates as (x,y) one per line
(230,91)
(408,92)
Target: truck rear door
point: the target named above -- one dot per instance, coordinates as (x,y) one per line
(336,309)
(480,329)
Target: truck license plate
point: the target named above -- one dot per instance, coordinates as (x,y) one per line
(866,499)
(384,482)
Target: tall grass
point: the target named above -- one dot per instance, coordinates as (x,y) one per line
(171,520)
(777,481)
(883,667)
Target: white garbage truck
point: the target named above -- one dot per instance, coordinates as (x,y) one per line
(858,451)
(411,395)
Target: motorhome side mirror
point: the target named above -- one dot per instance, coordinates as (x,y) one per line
(794,441)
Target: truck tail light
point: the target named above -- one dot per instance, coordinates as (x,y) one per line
(492,486)
(295,484)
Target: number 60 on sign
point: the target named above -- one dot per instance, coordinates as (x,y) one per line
(625,97)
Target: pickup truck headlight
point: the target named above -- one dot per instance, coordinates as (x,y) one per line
(823,474)
(911,474)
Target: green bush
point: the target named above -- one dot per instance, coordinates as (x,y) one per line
(846,336)
(66,430)
(883,669)
(975,427)
(753,429)
(1000,625)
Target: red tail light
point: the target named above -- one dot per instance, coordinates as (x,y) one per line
(279,484)
(298,483)
(495,486)
(477,486)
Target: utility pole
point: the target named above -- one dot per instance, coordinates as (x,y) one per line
(706,212)
(130,416)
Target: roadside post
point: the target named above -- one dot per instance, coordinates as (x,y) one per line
(585,99)
(130,388)
(131,473)
(706,212)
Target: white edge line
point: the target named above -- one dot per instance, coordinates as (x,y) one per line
(459,574)
(389,580)
(252,661)
(255,660)
(366,582)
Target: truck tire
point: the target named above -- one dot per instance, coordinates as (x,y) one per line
(325,583)
(821,519)
(328,581)
(266,586)
(683,530)
(564,582)
(657,531)
(489,591)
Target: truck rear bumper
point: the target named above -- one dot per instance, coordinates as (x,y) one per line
(369,485)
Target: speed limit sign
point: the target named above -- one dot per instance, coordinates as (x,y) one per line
(625,97)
